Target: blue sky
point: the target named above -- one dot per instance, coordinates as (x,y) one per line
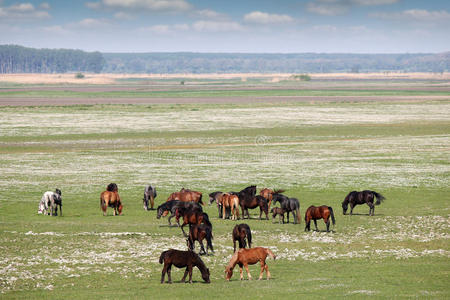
(325,26)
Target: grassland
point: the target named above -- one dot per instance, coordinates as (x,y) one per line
(317,152)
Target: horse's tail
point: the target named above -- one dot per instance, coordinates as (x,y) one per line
(379,197)
(299,219)
(209,238)
(206,219)
(161,257)
(249,236)
(271,253)
(332,215)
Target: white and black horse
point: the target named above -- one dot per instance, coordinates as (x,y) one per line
(149,196)
(49,203)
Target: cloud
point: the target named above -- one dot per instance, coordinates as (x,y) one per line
(420,15)
(24,12)
(259,17)
(165,29)
(340,7)
(123,16)
(210,14)
(142,5)
(217,26)
(90,23)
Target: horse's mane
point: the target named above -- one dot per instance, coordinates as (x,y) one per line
(233,260)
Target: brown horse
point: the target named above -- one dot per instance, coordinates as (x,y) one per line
(278,211)
(245,257)
(240,232)
(191,216)
(231,201)
(257,201)
(321,212)
(199,233)
(181,259)
(186,195)
(268,194)
(111,198)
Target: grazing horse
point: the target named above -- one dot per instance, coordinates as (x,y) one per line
(245,257)
(268,194)
(319,212)
(181,259)
(49,203)
(199,233)
(172,206)
(186,195)
(230,201)
(289,205)
(111,198)
(240,232)
(191,216)
(216,196)
(149,196)
(278,211)
(354,198)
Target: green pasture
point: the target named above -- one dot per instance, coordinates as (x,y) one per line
(316,152)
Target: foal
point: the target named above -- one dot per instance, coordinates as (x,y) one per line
(278,211)
(245,257)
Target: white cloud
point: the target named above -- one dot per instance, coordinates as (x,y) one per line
(123,16)
(339,7)
(210,14)
(23,12)
(44,5)
(216,26)
(90,23)
(165,29)
(266,18)
(57,29)
(415,15)
(142,5)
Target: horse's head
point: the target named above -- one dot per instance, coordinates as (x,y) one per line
(120,209)
(228,273)
(58,191)
(205,276)
(160,212)
(344,207)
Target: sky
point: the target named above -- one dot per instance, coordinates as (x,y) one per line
(253,26)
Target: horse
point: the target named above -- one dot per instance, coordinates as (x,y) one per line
(319,212)
(248,199)
(278,211)
(289,205)
(245,257)
(230,201)
(181,259)
(215,196)
(240,232)
(268,194)
(172,206)
(191,216)
(186,195)
(49,203)
(111,198)
(149,195)
(199,233)
(354,198)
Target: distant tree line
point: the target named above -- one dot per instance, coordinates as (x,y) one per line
(273,63)
(18,59)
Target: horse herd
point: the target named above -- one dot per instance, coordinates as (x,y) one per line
(187,204)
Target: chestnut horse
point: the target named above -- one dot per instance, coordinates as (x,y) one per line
(319,212)
(268,194)
(199,233)
(181,259)
(230,201)
(191,216)
(240,232)
(245,257)
(111,198)
(186,195)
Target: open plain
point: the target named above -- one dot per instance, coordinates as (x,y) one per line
(317,139)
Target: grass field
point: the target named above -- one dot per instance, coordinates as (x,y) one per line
(317,151)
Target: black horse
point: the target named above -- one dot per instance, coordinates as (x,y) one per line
(172,206)
(247,200)
(240,232)
(289,205)
(149,195)
(354,198)
(199,233)
(181,259)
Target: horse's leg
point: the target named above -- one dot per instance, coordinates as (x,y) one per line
(234,244)
(182,229)
(248,272)
(185,274)
(202,248)
(315,224)
(371,208)
(262,270)
(288,217)
(224,212)
(308,225)
(164,270)
(169,273)
(190,273)
(351,208)
(152,201)
(267,271)
(328,225)
(241,273)
(260,212)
